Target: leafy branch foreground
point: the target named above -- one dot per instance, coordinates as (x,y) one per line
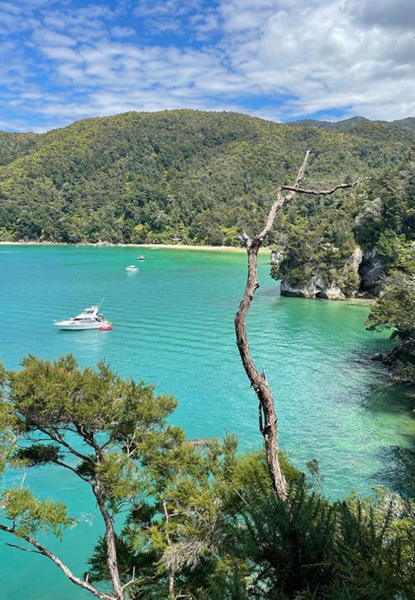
(202,519)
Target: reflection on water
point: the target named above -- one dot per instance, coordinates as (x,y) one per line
(86,343)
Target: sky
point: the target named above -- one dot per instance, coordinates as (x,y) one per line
(63,60)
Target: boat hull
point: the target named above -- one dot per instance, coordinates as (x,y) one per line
(81,326)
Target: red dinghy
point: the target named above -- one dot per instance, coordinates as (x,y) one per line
(106,328)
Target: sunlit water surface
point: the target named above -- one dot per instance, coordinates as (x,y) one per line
(173,326)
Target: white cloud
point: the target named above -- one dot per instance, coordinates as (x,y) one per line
(324,55)
(288,58)
(122,32)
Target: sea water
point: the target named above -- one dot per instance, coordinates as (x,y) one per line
(173,327)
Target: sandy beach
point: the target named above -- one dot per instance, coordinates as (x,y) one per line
(149,246)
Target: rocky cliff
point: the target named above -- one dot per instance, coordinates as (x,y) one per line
(330,284)
(364,266)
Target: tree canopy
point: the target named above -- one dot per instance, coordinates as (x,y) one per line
(151,177)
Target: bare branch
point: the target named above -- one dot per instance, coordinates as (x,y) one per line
(56,437)
(65,466)
(282,200)
(45,552)
(267,414)
(23,549)
(132,580)
(171,574)
(341,186)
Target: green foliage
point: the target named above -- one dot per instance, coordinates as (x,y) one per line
(39,454)
(30,515)
(388,204)
(59,396)
(318,236)
(151,177)
(200,514)
(108,425)
(387,224)
(14,145)
(395,309)
(311,548)
(319,244)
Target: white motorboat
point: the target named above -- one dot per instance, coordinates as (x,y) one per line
(132,268)
(89,318)
(141,257)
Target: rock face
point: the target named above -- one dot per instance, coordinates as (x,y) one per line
(371,272)
(277,256)
(319,287)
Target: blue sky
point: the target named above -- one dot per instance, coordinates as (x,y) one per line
(63,60)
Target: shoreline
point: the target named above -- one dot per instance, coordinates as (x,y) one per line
(150,246)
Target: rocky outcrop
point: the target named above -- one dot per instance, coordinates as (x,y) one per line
(400,361)
(276,257)
(355,260)
(319,287)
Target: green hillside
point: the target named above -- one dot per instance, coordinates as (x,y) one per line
(150,177)
(357,125)
(13,145)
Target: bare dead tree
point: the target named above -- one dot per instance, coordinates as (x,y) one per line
(267,414)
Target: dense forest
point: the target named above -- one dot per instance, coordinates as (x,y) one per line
(154,177)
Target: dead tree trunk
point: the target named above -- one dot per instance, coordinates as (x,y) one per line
(267,415)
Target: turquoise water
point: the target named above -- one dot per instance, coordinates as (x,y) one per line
(173,326)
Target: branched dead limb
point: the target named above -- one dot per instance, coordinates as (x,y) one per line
(267,415)
(132,580)
(341,186)
(40,549)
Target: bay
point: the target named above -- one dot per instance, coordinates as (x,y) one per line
(173,327)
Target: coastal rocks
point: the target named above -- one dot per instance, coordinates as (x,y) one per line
(317,288)
(400,361)
(355,260)
(320,287)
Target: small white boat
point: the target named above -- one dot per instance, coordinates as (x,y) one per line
(89,318)
(141,257)
(132,268)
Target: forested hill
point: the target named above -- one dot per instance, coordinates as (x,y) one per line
(151,177)
(361,126)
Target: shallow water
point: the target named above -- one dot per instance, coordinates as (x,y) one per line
(173,326)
